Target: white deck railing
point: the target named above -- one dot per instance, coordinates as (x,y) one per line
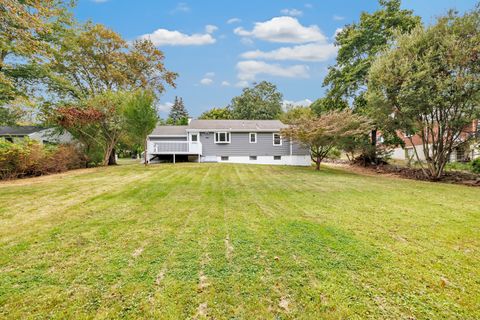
(167,147)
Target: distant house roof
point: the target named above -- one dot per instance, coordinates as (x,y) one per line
(169,130)
(241,125)
(215,125)
(19,131)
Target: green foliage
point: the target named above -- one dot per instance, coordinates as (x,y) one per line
(29,158)
(9,116)
(294,114)
(30,30)
(359,43)
(141,116)
(217,114)
(178,115)
(428,84)
(262,102)
(326,104)
(476,165)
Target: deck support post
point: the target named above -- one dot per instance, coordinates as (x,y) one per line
(199,158)
(174,158)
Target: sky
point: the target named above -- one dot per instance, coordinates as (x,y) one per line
(219,47)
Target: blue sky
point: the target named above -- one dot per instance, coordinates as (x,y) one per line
(218,47)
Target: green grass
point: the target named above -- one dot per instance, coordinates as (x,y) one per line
(237,242)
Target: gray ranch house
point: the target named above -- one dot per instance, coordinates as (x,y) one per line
(235,141)
(39,134)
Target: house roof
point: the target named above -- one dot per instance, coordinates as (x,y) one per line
(241,125)
(19,131)
(169,131)
(216,125)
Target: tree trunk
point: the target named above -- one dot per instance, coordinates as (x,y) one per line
(374,146)
(317,163)
(145,152)
(111,159)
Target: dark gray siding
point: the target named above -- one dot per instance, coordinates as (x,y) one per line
(168,138)
(239,145)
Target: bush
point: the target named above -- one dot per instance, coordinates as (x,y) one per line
(476,165)
(29,158)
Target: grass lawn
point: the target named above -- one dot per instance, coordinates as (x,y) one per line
(239,242)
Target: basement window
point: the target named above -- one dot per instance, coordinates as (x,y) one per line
(224,158)
(253,157)
(277,157)
(222,137)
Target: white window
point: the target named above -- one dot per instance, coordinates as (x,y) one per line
(277,139)
(222,137)
(253,157)
(277,157)
(252,137)
(194,137)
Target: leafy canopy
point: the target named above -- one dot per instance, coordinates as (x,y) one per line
(262,102)
(428,84)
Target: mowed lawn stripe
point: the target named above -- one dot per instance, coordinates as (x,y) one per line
(237,241)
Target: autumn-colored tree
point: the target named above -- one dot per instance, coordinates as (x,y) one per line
(326,132)
(93,59)
(29,31)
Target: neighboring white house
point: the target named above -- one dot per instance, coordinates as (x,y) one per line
(235,141)
(40,134)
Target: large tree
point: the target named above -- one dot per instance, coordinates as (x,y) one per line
(141,118)
(217,114)
(262,102)
(324,133)
(428,84)
(29,32)
(178,113)
(93,59)
(359,43)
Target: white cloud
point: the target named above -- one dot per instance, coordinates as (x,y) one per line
(306,52)
(165,107)
(234,20)
(292,12)
(226,84)
(209,74)
(206,81)
(308,5)
(249,69)
(241,84)
(338,18)
(210,28)
(246,41)
(299,103)
(283,29)
(176,38)
(181,7)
